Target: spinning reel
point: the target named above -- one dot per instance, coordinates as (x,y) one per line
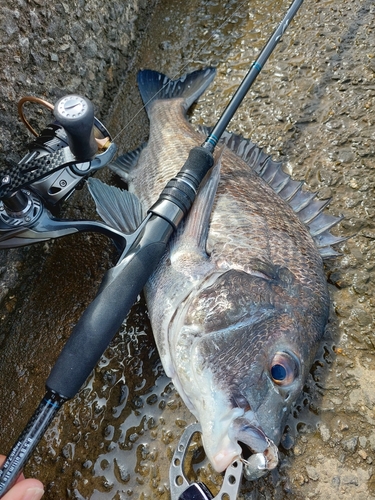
(59,160)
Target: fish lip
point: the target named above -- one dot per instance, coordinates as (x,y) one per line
(264,457)
(247,430)
(260,464)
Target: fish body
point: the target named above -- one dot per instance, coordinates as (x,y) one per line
(239,302)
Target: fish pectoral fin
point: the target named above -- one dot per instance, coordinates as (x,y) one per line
(118,208)
(194,235)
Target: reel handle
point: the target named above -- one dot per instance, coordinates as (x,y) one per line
(76,115)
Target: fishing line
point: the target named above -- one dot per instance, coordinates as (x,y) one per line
(183,68)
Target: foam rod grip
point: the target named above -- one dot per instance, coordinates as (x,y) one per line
(103,317)
(199,162)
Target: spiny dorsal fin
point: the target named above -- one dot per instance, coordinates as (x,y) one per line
(309,210)
(118,208)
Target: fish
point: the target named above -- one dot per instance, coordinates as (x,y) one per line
(239,302)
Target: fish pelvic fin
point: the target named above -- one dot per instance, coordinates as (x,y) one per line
(118,208)
(303,203)
(124,164)
(154,86)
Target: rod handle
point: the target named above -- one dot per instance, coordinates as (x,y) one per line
(29,439)
(179,194)
(103,317)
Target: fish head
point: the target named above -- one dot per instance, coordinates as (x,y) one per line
(255,387)
(243,355)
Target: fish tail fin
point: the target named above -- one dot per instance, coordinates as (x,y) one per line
(154,86)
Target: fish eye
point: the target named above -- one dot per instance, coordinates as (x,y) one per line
(278,372)
(284,368)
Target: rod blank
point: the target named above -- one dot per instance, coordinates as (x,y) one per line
(250,77)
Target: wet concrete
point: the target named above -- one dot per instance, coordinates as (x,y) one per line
(312,107)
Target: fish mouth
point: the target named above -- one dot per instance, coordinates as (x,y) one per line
(260,454)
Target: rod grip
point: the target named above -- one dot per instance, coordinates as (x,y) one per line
(103,317)
(121,286)
(179,194)
(199,162)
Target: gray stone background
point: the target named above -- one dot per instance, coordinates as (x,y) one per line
(49,49)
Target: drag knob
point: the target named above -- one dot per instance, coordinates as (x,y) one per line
(76,114)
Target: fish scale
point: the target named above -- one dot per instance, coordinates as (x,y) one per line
(160,161)
(265,220)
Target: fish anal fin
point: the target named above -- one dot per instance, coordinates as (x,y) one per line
(118,208)
(124,164)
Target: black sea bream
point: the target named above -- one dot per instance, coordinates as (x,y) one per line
(239,302)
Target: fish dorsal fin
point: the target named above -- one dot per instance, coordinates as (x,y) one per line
(303,203)
(123,165)
(154,86)
(118,208)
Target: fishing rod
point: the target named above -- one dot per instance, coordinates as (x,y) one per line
(97,326)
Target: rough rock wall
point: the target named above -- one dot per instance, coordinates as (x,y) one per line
(48,49)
